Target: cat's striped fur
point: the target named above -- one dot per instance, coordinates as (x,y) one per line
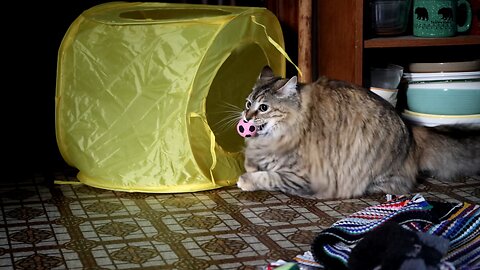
(332,139)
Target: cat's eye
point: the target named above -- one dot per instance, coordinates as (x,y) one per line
(248,104)
(263,107)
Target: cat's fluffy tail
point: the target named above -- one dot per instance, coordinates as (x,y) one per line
(448,152)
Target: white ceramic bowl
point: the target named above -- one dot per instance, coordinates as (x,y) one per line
(432,120)
(445,66)
(389,95)
(441,76)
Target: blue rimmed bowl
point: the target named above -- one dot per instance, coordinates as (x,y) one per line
(444,98)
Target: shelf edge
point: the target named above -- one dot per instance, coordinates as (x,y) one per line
(411,41)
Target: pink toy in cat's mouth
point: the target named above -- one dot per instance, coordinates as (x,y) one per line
(246,128)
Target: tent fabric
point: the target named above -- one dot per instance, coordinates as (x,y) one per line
(143,89)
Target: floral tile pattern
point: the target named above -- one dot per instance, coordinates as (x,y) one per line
(75,227)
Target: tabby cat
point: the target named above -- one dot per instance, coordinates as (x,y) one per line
(332,139)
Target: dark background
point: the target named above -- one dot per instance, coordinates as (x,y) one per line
(33,36)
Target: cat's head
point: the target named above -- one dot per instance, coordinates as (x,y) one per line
(273,103)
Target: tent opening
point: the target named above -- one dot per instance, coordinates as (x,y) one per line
(230,87)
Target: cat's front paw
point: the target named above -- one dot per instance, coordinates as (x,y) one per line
(245,184)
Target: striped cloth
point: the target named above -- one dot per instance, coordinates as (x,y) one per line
(457,222)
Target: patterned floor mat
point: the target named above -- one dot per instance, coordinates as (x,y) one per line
(68,226)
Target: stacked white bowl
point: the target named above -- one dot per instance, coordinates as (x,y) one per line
(444,93)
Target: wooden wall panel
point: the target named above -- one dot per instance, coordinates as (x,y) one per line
(339,41)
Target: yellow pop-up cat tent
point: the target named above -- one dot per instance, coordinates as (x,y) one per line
(143,92)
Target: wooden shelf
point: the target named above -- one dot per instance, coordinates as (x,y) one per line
(345,51)
(412,41)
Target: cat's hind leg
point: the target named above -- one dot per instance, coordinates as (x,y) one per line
(392,184)
(287,182)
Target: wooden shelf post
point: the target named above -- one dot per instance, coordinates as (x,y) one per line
(305,40)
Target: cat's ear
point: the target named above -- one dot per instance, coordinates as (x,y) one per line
(267,72)
(289,89)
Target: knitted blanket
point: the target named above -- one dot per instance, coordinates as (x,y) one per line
(457,222)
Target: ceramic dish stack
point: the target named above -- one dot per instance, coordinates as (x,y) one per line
(443,93)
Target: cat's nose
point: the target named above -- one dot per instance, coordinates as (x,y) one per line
(249,115)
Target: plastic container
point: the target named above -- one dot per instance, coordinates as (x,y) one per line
(390,17)
(386,77)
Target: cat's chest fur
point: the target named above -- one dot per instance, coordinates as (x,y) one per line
(267,158)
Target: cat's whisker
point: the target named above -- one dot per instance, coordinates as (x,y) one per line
(231,115)
(226,123)
(225,112)
(225,104)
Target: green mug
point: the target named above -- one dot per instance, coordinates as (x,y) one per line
(438,18)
